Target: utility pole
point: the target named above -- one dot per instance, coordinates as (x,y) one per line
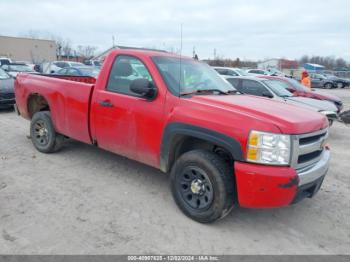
(214,53)
(113,41)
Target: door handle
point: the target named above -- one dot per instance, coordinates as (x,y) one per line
(105,103)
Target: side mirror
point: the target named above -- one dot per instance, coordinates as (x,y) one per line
(291,90)
(144,88)
(267,94)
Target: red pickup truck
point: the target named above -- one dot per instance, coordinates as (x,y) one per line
(176,114)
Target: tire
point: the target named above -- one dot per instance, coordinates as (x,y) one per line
(43,134)
(340,85)
(328,86)
(202,185)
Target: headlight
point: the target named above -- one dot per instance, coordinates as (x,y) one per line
(268,148)
(329,113)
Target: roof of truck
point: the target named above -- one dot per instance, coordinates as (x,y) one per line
(146,52)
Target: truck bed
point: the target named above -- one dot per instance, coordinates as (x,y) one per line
(69,96)
(81,79)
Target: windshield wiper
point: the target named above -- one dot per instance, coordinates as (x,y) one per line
(202,91)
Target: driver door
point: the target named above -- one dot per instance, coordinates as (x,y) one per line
(125,123)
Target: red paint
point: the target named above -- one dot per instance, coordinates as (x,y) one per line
(134,127)
(260,186)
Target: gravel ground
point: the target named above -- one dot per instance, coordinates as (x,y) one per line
(84,200)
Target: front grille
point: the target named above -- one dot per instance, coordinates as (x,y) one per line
(310,139)
(308,148)
(7,95)
(308,157)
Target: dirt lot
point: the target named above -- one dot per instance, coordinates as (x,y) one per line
(84,200)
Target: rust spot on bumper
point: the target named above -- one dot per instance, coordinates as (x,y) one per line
(292,182)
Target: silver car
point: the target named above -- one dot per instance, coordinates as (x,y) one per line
(230,71)
(273,89)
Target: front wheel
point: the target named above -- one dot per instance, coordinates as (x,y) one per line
(202,185)
(42,132)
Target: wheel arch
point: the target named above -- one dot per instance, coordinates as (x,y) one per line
(36,103)
(179,138)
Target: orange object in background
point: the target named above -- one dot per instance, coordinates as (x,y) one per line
(305,79)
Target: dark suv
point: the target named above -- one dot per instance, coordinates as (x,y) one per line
(320,81)
(7,96)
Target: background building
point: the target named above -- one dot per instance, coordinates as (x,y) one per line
(279,64)
(27,49)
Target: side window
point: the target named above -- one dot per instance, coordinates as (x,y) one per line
(232,73)
(124,70)
(253,88)
(72,72)
(221,71)
(234,82)
(62,71)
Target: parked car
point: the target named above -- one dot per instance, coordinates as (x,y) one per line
(14,68)
(220,148)
(320,81)
(95,63)
(298,89)
(7,95)
(79,71)
(257,72)
(230,71)
(275,90)
(345,117)
(339,82)
(55,66)
(5,61)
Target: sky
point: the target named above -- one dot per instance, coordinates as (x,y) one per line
(248,29)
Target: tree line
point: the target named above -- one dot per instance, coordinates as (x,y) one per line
(329,62)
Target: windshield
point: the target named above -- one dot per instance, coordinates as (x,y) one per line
(319,76)
(20,68)
(3,74)
(278,88)
(89,71)
(191,76)
(297,85)
(241,72)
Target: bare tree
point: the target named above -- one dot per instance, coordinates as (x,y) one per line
(86,51)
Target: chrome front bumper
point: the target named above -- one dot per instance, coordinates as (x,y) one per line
(312,173)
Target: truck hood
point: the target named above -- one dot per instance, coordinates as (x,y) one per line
(288,118)
(313,104)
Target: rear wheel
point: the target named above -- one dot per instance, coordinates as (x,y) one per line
(328,86)
(202,185)
(42,132)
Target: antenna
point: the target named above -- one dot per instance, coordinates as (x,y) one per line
(180,78)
